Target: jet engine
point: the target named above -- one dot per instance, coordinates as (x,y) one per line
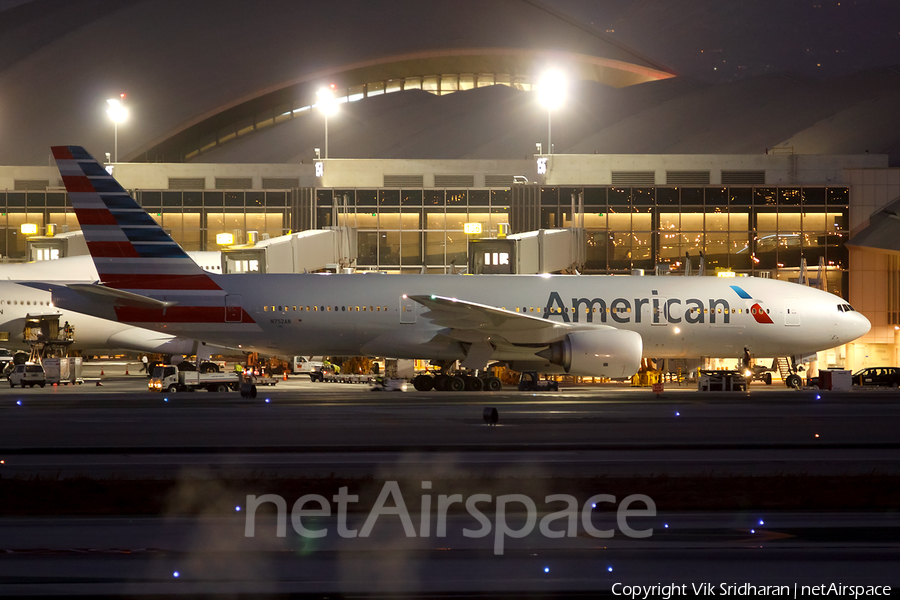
(597,353)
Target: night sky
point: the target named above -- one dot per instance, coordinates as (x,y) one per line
(716,40)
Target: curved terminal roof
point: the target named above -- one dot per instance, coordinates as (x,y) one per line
(216,81)
(849,115)
(197,72)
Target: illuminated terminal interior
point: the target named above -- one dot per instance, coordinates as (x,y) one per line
(759,215)
(763,231)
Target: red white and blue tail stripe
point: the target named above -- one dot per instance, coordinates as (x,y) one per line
(132,253)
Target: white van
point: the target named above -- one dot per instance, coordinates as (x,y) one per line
(27,374)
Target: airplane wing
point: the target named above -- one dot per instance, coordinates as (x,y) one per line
(483,329)
(470,321)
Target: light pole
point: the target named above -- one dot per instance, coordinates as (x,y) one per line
(328,105)
(117,112)
(551,94)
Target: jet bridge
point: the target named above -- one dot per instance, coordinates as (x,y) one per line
(305,251)
(541,251)
(55,245)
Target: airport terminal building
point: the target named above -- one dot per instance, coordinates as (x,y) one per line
(434,144)
(765,215)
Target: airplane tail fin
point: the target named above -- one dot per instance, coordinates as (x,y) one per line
(130,250)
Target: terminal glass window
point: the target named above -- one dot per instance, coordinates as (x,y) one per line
(762,231)
(367,248)
(389,248)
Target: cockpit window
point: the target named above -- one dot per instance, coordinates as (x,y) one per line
(840,308)
(846,308)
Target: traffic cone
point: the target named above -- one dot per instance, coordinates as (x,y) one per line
(285,376)
(102,374)
(98,383)
(126,368)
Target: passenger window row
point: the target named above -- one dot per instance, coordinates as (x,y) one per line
(24,303)
(324,308)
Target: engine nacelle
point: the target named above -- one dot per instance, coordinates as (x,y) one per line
(609,352)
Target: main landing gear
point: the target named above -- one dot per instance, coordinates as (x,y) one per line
(456,382)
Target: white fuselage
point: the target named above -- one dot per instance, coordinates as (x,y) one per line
(373,314)
(91,333)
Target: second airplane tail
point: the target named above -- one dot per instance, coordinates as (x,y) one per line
(130,250)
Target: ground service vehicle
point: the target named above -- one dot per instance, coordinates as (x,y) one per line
(530,382)
(27,374)
(304,365)
(171,379)
(887,376)
(6,358)
(63,370)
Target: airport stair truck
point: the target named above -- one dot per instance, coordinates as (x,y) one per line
(171,379)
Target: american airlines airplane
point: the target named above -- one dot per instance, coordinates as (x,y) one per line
(581,325)
(17,302)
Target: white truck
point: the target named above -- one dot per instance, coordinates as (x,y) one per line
(304,365)
(171,379)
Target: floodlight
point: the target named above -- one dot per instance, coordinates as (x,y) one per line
(328,105)
(118,113)
(326,100)
(552,89)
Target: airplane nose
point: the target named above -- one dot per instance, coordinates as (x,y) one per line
(861,325)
